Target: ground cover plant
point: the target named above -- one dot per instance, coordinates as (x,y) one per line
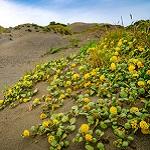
(107,86)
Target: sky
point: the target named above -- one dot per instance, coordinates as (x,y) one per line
(14,12)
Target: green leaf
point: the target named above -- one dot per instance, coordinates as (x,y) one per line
(103,125)
(125,144)
(100,146)
(90,119)
(72,121)
(71,128)
(54,143)
(89,147)
(65,119)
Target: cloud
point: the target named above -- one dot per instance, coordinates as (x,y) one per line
(12,13)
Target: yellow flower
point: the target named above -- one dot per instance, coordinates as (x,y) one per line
(145,131)
(88,137)
(43,116)
(26,133)
(68,83)
(73,65)
(141,49)
(50,138)
(86,76)
(148,72)
(36,101)
(113,110)
(62,96)
(86,107)
(86,100)
(48,98)
(125,41)
(134,110)
(105,46)
(58,71)
(113,66)
(131,68)
(144,125)
(117,49)
(135,74)
(102,78)
(120,43)
(141,83)
(134,124)
(84,128)
(68,90)
(1,102)
(75,76)
(55,121)
(93,72)
(46,123)
(87,84)
(148,82)
(116,54)
(114,59)
(139,64)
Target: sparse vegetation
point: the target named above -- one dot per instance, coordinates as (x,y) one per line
(2,29)
(57,28)
(107,84)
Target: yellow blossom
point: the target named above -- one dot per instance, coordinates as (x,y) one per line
(69,90)
(116,53)
(125,41)
(48,98)
(134,124)
(73,65)
(148,72)
(55,121)
(50,138)
(141,49)
(120,43)
(114,59)
(113,110)
(141,83)
(117,49)
(58,71)
(68,83)
(105,46)
(133,60)
(36,101)
(46,123)
(144,125)
(145,131)
(26,133)
(43,116)
(134,110)
(84,128)
(86,100)
(102,78)
(62,96)
(93,72)
(75,76)
(86,76)
(88,137)
(135,74)
(86,107)
(148,82)
(87,84)
(131,68)
(1,102)
(113,66)
(139,64)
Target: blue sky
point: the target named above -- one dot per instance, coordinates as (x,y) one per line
(13,12)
